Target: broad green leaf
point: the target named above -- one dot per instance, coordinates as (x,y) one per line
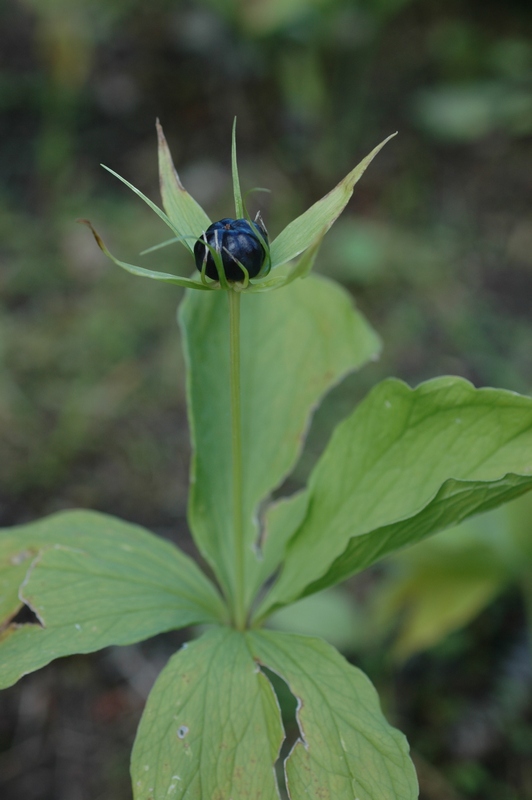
(441,584)
(211,727)
(303,231)
(92,581)
(296,344)
(186,215)
(406,463)
(346,747)
(142,272)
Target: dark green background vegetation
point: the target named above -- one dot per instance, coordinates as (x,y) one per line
(436,247)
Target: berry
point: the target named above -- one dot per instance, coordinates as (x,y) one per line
(235,240)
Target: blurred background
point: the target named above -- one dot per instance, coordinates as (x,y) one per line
(436,247)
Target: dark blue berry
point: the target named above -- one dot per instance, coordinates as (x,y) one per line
(235,240)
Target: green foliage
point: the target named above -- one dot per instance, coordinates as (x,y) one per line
(444,583)
(303,231)
(346,748)
(92,580)
(211,727)
(185,215)
(406,463)
(187,220)
(278,331)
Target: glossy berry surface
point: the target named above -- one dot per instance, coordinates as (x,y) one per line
(235,240)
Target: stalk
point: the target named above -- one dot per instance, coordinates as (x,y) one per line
(239,611)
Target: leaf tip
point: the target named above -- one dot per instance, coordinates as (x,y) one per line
(90,226)
(160,133)
(381,145)
(165,158)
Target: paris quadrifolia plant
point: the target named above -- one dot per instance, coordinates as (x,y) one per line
(264,340)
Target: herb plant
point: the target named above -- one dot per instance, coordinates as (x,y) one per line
(262,347)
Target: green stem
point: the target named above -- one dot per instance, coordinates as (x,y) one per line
(239,611)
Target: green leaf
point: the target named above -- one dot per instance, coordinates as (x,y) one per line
(239,206)
(299,270)
(142,272)
(186,215)
(346,747)
(92,580)
(211,727)
(295,345)
(441,584)
(303,231)
(147,200)
(159,246)
(281,520)
(15,559)
(406,463)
